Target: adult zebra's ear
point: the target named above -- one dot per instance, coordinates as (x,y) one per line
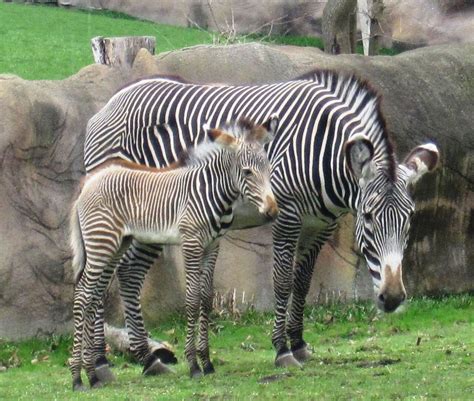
(264,133)
(420,160)
(359,152)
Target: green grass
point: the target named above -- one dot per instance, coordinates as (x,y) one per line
(44,42)
(40,42)
(423,353)
(293,40)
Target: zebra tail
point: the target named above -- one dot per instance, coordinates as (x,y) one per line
(77,245)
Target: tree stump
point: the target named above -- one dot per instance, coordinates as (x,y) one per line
(120,51)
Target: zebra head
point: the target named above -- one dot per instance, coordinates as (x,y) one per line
(252,167)
(384,212)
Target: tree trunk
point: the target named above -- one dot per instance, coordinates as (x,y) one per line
(370,14)
(120,51)
(339,26)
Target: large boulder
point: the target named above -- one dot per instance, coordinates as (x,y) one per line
(427,96)
(41,139)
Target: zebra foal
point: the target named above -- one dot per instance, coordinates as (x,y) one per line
(190,205)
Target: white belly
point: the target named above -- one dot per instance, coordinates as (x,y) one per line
(170,236)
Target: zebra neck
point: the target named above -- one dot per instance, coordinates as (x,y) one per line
(354,199)
(219,178)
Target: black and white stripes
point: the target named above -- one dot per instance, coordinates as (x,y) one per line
(191,205)
(331,155)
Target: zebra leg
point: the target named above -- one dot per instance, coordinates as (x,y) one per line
(207,295)
(309,245)
(87,299)
(97,283)
(80,299)
(102,365)
(193,256)
(99,337)
(285,236)
(131,273)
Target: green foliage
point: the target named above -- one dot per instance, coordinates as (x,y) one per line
(388,52)
(422,353)
(293,40)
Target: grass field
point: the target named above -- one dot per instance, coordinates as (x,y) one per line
(40,42)
(423,353)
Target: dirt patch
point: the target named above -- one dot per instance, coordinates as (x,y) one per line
(374,364)
(360,363)
(274,378)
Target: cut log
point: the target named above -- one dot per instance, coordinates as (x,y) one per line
(120,51)
(118,340)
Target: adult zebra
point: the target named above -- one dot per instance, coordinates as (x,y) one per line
(331,155)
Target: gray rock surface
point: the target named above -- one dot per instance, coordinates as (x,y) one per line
(410,23)
(427,95)
(277,16)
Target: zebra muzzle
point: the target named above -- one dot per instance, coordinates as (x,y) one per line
(270,208)
(392,292)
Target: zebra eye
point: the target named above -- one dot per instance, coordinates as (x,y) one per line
(367,217)
(246,172)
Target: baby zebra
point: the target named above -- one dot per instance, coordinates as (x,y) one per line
(190,204)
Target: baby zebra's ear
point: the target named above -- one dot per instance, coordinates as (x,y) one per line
(221,138)
(271,125)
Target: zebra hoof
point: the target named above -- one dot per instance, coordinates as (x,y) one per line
(302,354)
(104,374)
(102,360)
(79,387)
(156,368)
(166,356)
(286,360)
(196,374)
(97,384)
(208,369)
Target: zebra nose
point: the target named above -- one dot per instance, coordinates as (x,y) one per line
(271,208)
(392,292)
(390,302)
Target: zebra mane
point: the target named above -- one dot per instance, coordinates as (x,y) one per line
(207,149)
(371,101)
(169,77)
(201,154)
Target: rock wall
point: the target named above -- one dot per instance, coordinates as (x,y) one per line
(427,95)
(243,16)
(410,23)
